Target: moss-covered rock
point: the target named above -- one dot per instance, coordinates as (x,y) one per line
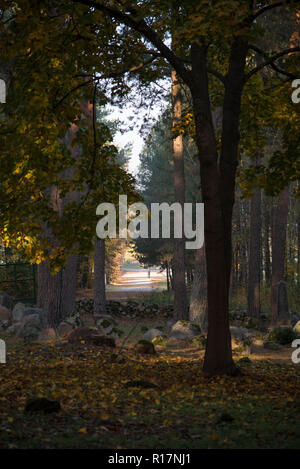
(145,347)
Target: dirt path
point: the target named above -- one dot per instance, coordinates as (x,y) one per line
(132,283)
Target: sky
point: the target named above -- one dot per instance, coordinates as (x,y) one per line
(134,115)
(133,137)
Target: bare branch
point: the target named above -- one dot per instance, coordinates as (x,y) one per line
(270,61)
(266,8)
(275,67)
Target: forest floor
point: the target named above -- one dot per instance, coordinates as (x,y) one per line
(102,405)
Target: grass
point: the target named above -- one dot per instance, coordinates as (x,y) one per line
(163,297)
(238,299)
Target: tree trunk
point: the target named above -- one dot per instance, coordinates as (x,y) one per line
(254,258)
(218,189)
(198,304)
(180,296)
(99,277)
(267,254)
(278,251)
(298,241)
(57,293)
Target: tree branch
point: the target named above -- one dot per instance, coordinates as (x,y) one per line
(217,75)
(94,78)
(277,69)
(142,27)
(271,61)
(266,8)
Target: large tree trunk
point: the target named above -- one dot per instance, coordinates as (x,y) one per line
(254,258)
(218,189)
(99,277)
(198,303)
(57,293)
(278,253)
(180,296)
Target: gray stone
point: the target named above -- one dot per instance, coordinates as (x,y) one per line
(74,320)
(14,328)
(3,324)
(239,333)
(106,323)
(184,330)
(30,328)
(64,328)
(47,334)
(18,312)
(6,300)
(152,333)
(170,323)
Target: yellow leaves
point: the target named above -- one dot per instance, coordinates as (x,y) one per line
(167,423)
(56,63)
(213,436)
(82,430)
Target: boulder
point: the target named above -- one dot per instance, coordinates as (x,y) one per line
(170,323)
(184,330)
(5,314)
(4,324)
(64,328)
(47,334)
(30,328)
(296,327)
(239,333)
(145,347)
(13,329)
(106,323)
(89,336)
(159,341)
(152,333)
(18,312)
(74,320)
(41,404)
(6,301)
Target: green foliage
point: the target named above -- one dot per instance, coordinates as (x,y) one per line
(164,297)
(199,341)
(159,340)
(57,159)
(282,335)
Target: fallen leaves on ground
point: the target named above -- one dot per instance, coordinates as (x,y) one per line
(181,409)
